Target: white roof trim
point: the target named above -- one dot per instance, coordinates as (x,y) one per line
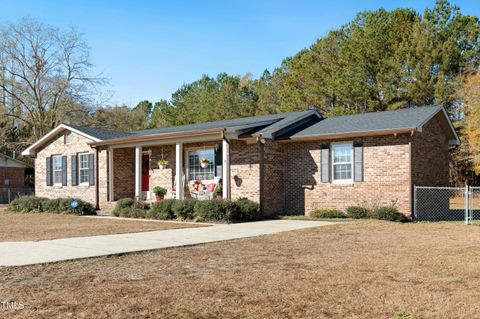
(30,151)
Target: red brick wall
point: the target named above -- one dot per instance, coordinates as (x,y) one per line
(124,173)
(245,170)
(430,156)
(16,176)
(274,179)
(79,144)
(386,177)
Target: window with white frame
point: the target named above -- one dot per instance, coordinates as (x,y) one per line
(83,168)
(57,170)
(342,162)
(195,171)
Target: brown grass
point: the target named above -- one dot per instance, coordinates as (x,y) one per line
(363,269)
(20,227)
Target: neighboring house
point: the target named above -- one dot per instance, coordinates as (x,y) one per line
(12,172)
(290,163)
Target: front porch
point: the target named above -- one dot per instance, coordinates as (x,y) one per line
(134,171)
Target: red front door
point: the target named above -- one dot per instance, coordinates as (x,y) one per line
(145,173)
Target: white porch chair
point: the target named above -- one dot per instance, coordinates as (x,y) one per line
(173,191)
(208,192)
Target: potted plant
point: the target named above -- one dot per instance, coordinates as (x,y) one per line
(159,192)
(218,193)
(162,164)
(204,162)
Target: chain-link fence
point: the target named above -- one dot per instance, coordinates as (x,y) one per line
(9,194)
(442,203)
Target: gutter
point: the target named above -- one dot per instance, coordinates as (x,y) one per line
(348,134)
(154,137)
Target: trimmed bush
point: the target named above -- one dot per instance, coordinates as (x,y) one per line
(26,204)
(358,212)
(209,210)
(389,213)
(328,213)
(84,208)
(248,210)
(57,205)
(135,212)
(161,210)
(121,204)
(184,209)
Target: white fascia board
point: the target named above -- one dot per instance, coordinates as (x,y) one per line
(30,151)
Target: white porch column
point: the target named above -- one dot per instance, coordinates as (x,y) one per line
(179,171)
(226,169)
(138,172)
(110,174)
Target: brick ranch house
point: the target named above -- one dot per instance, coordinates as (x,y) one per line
(290,163)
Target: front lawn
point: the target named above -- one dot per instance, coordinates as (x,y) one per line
(40,226)
(359,269)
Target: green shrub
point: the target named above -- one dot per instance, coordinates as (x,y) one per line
(26,204)
(161,209)
(389,213)
(358,212)
(184,209)
(248,210)
(83,208)
(121,204)
(328,213)
(209,210)
(135,212)
(57,205)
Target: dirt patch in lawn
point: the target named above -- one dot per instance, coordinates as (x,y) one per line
(360,269)
(40,226)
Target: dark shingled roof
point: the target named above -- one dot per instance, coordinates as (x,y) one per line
(373,121)
(99,133)
(241,121)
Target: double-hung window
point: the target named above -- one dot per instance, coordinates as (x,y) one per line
(57,170)
(342,162)
(195,171)
(83,169)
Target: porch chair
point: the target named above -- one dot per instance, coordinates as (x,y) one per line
(208,192)
(173,192)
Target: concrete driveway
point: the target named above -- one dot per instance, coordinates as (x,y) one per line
(45,251)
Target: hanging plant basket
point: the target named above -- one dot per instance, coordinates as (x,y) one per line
(204,162)
(162,164)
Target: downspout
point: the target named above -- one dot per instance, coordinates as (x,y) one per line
(410,177)
(261,153)
(97,182)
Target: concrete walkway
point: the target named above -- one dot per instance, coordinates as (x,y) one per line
(45,251)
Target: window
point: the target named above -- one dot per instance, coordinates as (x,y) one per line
(83,168)
(67,138)
(342,162)
(57,170)
(194,170)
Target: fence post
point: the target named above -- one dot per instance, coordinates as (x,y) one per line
(9,195)
(466,204)
(414,202)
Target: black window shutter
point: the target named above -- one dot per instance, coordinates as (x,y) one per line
(358,161)
(91,170)
(64,170)
(325,163)
(48,171)
(74,172)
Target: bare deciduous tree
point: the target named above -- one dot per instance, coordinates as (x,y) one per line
(43,71)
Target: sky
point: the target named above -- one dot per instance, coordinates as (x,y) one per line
(147,49)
